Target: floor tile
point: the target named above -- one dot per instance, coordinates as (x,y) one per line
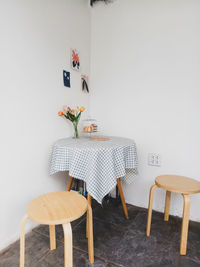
(44,229)
(125,246)
(185,261)
(36,247)
(117,242)
(114,214)
(56,259)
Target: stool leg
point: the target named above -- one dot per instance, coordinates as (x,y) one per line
(150,209)
(22,241)
(185,224)
(68,253)
(122,198)
(167,205)
(90,203)
(52,237)
(70,183)
(90,235)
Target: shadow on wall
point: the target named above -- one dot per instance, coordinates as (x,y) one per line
(94,1)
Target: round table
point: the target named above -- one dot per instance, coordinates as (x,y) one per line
(99,164)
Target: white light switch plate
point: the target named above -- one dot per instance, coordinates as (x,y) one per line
(154,159)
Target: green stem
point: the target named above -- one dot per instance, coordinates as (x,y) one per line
(75,124)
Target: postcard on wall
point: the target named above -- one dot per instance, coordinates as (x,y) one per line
(66,78)
(75,60)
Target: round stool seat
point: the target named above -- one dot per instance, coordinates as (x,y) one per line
(178,184)
(57,208)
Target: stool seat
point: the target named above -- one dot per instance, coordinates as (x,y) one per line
(57,208)
(178,184)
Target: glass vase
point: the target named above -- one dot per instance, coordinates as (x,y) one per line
(75,124)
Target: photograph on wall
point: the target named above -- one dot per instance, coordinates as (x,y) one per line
(75,60)
(66,78)
(84,81)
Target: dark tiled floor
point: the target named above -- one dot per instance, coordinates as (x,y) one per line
(117,242)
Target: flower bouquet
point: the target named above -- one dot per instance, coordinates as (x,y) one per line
(72,115)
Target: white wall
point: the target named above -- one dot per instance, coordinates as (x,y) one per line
(145,63)
(35,41)
(145,66)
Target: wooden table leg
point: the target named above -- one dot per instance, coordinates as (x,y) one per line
(167,205)
(90,200)
(87,223)
(185,224)
(68,247)
(70,183)
(122,198)
(150,209)
(52,237)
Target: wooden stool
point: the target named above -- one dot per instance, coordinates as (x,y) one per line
(176,184)
(59,208)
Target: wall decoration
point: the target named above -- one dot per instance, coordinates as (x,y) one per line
(75,60)
(84,80)
(66,78)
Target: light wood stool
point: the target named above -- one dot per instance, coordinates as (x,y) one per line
(59,208)
(176,184)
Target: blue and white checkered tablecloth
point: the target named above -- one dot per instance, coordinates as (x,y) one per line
(98,163)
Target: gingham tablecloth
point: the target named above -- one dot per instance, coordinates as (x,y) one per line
(98,163)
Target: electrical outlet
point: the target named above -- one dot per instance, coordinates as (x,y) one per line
(154,159)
